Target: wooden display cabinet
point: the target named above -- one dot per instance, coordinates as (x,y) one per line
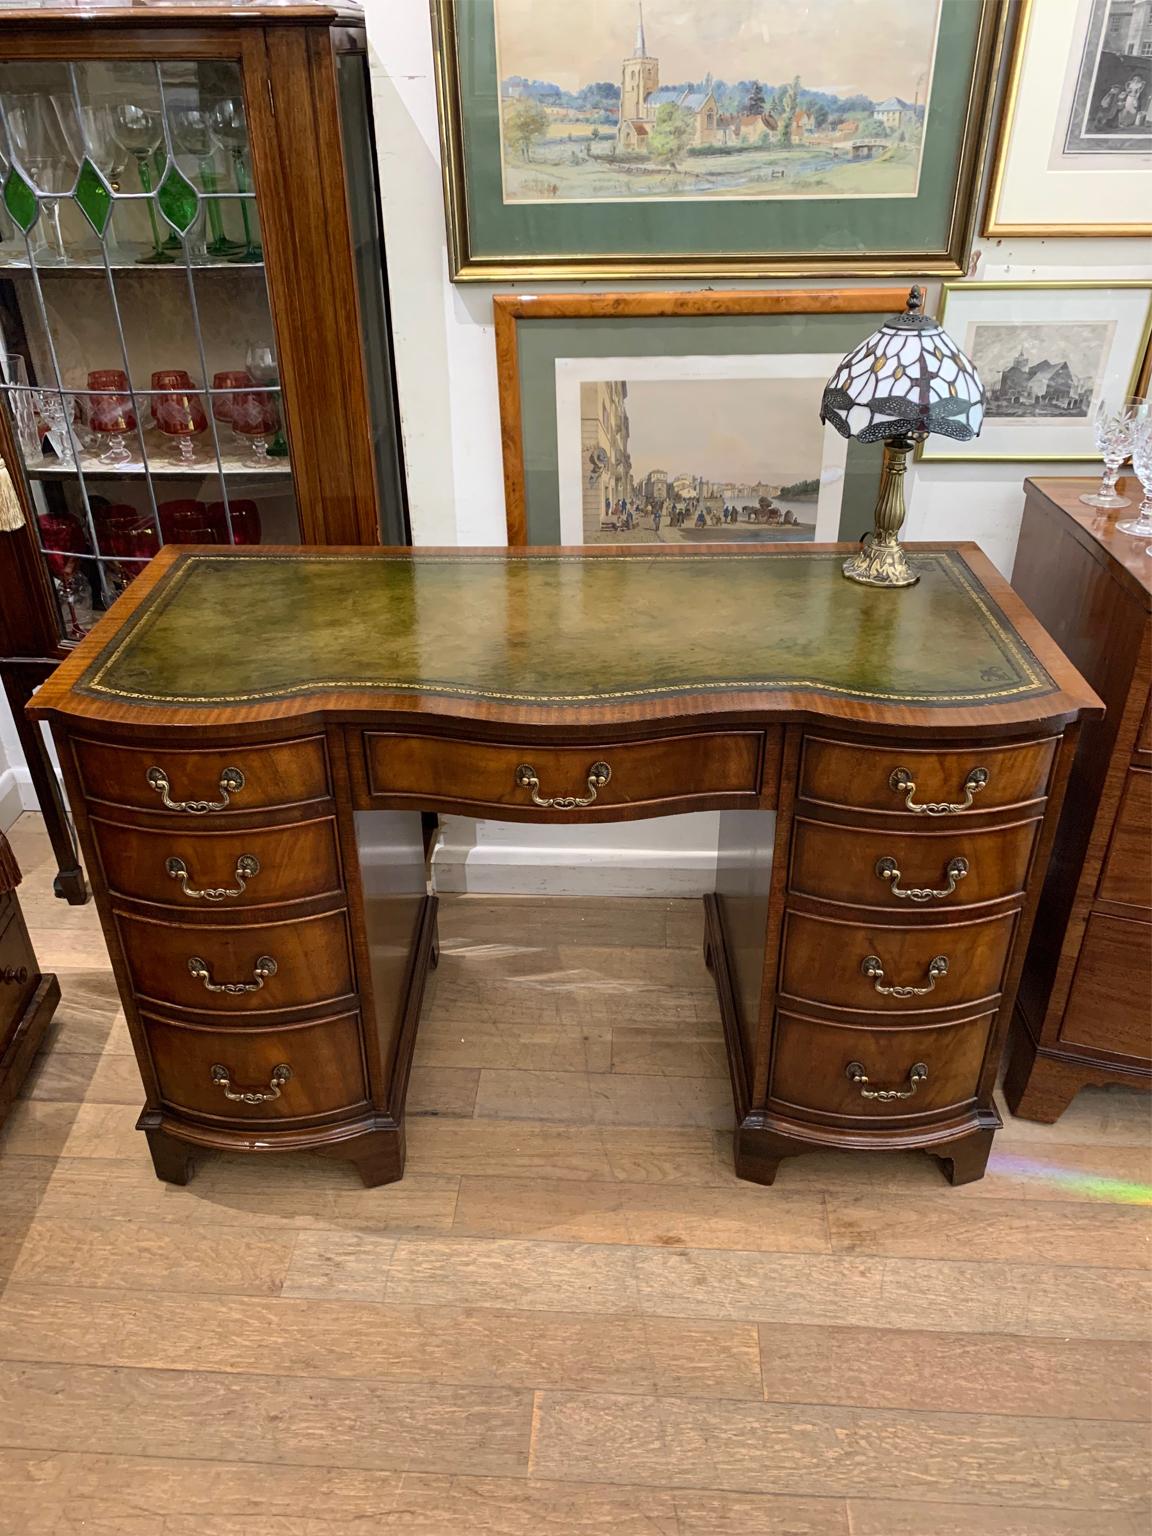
(195,344)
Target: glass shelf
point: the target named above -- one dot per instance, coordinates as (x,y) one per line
(112,171)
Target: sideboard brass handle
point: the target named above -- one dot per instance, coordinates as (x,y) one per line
(904,784)
(598,776)
(223,1078)
(872,968)
(18,974)
(247,868)
(855,1073)
(263,968)
(231,783)
(889,870)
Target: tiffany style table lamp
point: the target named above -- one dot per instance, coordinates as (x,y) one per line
(908,379)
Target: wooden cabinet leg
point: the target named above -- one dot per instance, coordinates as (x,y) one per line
(964,1161)
(758,1154)
(1035,1086)
(68,884)
(378,1155)
(171,1158)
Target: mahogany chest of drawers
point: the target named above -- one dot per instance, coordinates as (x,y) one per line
(250,816)
(1084,1011)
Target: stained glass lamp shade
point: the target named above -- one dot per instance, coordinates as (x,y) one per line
(905,381)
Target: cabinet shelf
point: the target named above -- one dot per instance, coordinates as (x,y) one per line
(10,262)
(160,468)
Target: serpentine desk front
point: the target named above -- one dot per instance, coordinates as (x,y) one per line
(229,729)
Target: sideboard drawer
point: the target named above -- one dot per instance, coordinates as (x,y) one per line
(208,782)
(1127,873)
(812,1060)
(971,779)
(1107,1008)
(826,962)
(222,969)
(910,870)
(240,1074)
(189,869)
(643,774)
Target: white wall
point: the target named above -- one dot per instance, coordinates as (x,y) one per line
(446,366)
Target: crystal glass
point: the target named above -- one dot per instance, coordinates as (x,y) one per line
(1112,429)
(229,127)
(192,135)
(21,402)
(124,531)
(264,368)
(188,521)
(111,412)
(229,379)
(46,140)
(140,131)
(1141,524)
(109,156)
(179,414)
(58,412)
(64,540)
(255,418)
(244,516)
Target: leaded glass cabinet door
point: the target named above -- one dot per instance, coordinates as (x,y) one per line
(140,361)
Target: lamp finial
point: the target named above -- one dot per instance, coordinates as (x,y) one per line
(915,299)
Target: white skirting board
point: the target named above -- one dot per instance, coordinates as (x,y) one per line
(664,856)
(16,795)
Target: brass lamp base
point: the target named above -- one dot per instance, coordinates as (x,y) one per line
(882,562)
(881,565)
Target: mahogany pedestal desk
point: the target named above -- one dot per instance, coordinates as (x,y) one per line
(249,737)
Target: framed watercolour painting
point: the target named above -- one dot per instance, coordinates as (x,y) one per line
(1048,355)
(633,138)
(681,418)
(1075,141)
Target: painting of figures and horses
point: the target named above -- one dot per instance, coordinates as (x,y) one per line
(1040,370)
(683,461)
(631,100)
(1111,111)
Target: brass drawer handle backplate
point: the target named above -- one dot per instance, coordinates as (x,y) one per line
(904,784)
(872,968)
(223,1078)
(231,783)
(264,967)
(889,870)
(247,868)
(598,776)
(855,1073)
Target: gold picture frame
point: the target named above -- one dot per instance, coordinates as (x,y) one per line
(936,450)
(995,223)
(947,256)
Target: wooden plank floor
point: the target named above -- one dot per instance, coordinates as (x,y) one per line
(569,1319)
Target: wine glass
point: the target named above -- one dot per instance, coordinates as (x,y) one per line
(264,368)
(58,413)
(244,517)
(1141,524)
(229,127)
(1112,430)
(111,412)
(108,155)
(64,541)
(179,414)
(255,417)
(46,140)
(223,386)
(193,136)
(140,131)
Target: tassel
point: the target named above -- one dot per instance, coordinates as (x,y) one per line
(11,512)
(9,869)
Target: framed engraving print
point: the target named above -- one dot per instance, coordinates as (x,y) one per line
(681,417)
(1048,354)
(631,138)
(1075,142)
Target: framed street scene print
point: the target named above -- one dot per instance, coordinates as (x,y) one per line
(681,418)
(1075,143)
(1048,354)
(631,138)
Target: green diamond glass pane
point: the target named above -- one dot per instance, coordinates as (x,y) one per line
(178,200)
(94,196)
(20,200)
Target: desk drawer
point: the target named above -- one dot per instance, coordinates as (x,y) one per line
(878,778)
(645,775)
(199,1068)
(215,781)
(311,963)
(824,962)
(910,871)
(204,870)
(812,1058)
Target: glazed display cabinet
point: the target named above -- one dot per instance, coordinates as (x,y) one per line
(194,342)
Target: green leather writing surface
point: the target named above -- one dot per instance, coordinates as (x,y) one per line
(561,629)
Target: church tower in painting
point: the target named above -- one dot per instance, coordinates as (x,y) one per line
(641,77)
